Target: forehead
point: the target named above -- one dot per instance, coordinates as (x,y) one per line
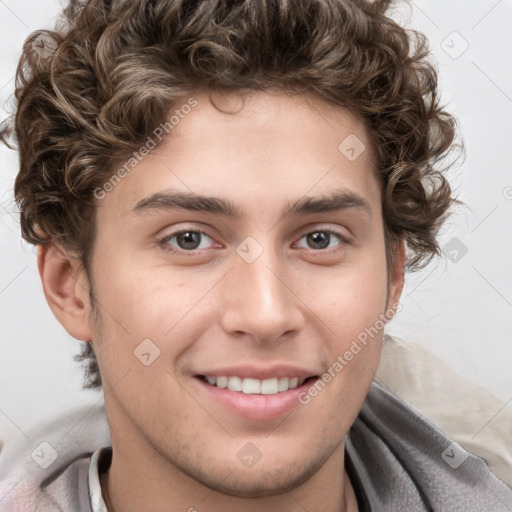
(257,146)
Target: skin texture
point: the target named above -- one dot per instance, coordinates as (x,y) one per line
(174,447)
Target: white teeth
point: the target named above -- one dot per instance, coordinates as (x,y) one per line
(251,386)
(284,384)
(222,382)
(235,383)
(256,386)
(269,386)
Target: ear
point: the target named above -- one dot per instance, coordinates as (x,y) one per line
(66,289)
(396,273)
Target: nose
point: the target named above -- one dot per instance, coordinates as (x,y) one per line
(259,301)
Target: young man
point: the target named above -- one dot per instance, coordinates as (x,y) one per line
(223,196)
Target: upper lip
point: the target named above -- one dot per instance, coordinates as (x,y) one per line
(259,372)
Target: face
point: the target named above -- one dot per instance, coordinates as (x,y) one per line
(263,285)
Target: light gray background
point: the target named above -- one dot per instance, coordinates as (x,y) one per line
(461,310)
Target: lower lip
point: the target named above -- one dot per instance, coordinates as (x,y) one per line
(256,407)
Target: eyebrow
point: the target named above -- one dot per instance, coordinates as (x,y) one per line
(169,200)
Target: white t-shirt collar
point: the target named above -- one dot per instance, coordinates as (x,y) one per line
(96,498)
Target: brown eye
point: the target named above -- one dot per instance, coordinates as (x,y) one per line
(320,240)
(184,241)
(188,240)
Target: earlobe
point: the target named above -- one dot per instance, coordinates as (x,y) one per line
(66,289)
(396,273)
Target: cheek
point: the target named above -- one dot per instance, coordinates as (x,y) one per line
(143,301)
(353,298)
(354,312)
(144,311)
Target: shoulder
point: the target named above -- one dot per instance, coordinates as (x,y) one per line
(48,470)
(404,462)
(465,411)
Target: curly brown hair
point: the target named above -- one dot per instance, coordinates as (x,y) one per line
(112,70)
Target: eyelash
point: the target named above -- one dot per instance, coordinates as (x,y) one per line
(163,242)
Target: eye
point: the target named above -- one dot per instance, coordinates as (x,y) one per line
(322,239)
(189,240)
(185,241)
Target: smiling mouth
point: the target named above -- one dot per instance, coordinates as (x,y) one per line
(251,386)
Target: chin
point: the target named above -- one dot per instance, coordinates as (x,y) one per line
(253,483)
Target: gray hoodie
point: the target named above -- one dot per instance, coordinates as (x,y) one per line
(397,461)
